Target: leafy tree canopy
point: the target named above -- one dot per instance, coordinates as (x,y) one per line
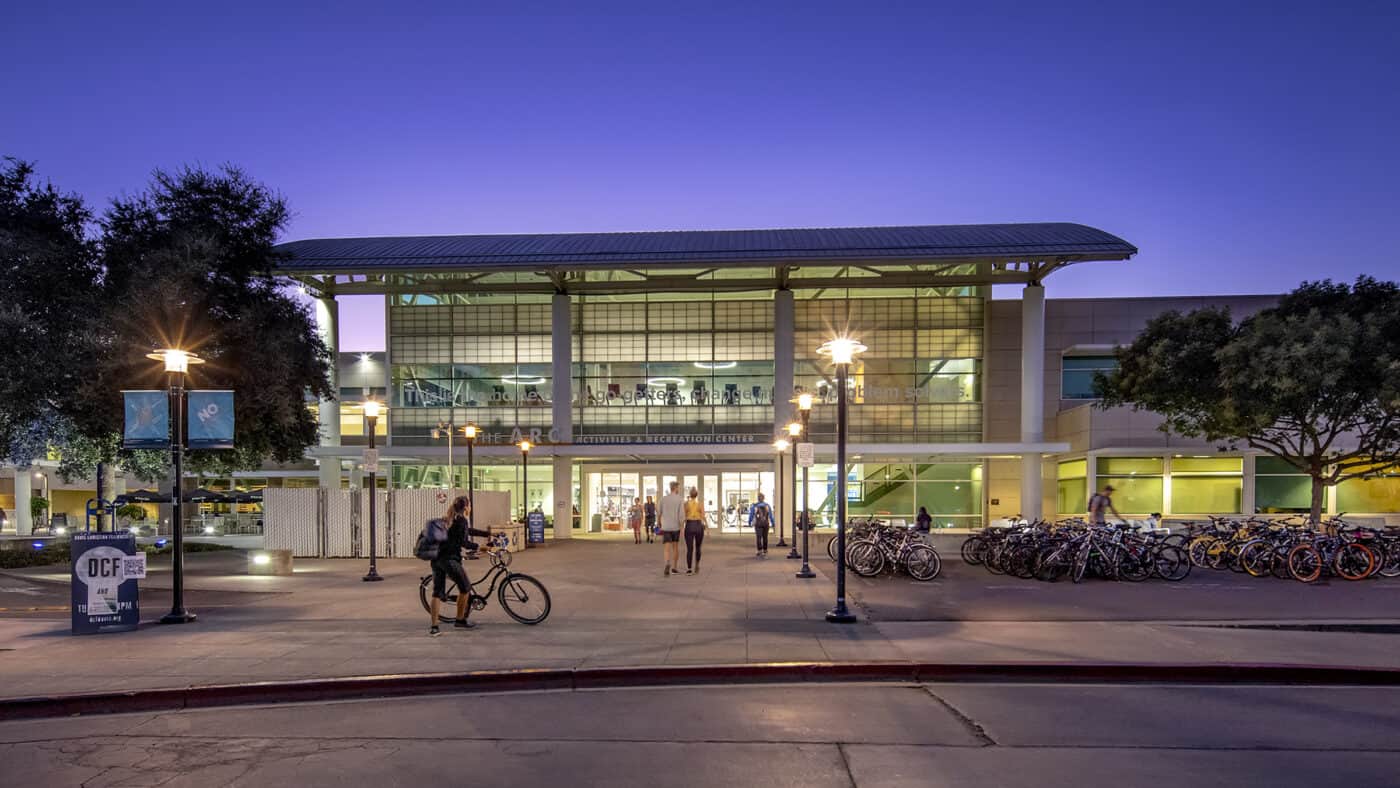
(1314,380)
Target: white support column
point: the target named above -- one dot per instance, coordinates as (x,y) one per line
(1247,503)
(328,472)
(1032,396)
(357,476)
(783,411)
(24,489)
(563,498)
(562,428)
(328,325)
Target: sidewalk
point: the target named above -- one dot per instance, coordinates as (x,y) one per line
(612,607)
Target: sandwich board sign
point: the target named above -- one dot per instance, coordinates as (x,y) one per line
(106,566)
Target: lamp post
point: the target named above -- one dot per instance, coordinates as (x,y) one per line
(446,428)
(804,407)
(780,445)
(524,481)
(842,351)
(372,411)
(470,431)
(177,364)
(794,430)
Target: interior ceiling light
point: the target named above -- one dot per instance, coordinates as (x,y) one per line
(521,380)
(716,364)
(665,381)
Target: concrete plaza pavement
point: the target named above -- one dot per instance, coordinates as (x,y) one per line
(886,735)
(612,607)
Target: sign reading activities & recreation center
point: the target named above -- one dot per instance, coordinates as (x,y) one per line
(106,567)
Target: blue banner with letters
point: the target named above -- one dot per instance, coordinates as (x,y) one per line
(210,420)
(534,528)
(106,568)
(147,423)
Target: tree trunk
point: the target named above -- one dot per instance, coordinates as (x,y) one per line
(106,490)
(1318,490)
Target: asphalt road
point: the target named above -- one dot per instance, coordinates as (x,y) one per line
(833,735)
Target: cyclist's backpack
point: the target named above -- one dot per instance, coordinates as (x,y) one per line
(760,517)
(433,535)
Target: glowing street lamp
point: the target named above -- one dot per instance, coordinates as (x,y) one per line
(177,364)
(804,403)
(372,409)
(471,431)
(842,351)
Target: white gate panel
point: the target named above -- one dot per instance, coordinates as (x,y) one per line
(382,526)
(341,515)
(291,520)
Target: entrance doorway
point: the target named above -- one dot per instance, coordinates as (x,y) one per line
(726,494)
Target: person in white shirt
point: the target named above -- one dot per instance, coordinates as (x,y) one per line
(672,513)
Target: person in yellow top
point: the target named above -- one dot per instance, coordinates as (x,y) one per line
(694,531)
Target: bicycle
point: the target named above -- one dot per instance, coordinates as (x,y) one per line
(524,598)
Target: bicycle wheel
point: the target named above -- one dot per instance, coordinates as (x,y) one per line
(922,562)
(1305,563)
(1390,564)
(831,548)
(1134,563)
(1255,557)
(1354,561)
(524,598)
(865,558)
(425,594)
(1278,565)
(1171,563)
(1051,567)
(973,550)
(1200,547)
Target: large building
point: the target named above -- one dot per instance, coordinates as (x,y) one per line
(631,359)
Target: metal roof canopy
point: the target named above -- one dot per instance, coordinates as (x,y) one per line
(919,256)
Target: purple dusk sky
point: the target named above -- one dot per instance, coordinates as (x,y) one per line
(1243,147)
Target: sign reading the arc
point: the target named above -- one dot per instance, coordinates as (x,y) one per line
(534,528)
(106,567)
(210,419)
(147,423)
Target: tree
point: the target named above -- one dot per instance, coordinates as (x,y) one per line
(186,263)
(48,299)
(1314,381)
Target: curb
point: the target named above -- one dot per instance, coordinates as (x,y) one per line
(564,679)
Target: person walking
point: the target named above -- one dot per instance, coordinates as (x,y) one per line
(1100,504)
(449,563)
(694,531)
(649,515)
(672,514)
(634,519)
(760,519)
(923,524)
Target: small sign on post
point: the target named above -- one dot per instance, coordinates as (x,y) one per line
(106,567)
(371,460)
(806,455)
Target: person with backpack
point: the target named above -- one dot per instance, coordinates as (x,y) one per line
(649,513)
(1102,503)
(760,520)
(441,544)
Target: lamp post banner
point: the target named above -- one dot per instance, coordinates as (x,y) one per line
(147,424)
(106,567)
(806,455)
(210,419)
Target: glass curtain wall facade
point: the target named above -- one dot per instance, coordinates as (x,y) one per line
(460,358)
(671,368)
(921,378)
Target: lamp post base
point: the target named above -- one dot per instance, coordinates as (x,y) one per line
(781,543)
(372,577)
(806,572)
(840,615)
(793,553)
(178,617)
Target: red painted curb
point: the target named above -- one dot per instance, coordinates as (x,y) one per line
(361,687)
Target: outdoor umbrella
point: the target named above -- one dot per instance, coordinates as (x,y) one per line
(143,496)
(201,495)
(248,496)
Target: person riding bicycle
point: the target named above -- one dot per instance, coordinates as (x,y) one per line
(449,563)
(1100,504)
